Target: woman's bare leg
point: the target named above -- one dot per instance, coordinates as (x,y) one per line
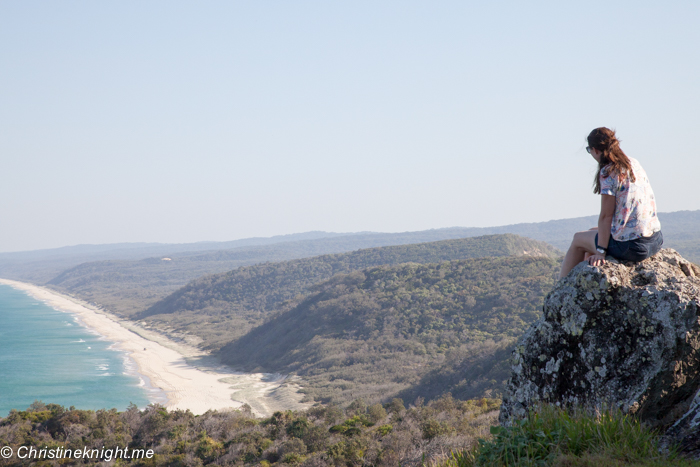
(587,255)
(583,242)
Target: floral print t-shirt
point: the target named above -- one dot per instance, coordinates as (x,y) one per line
(635,206)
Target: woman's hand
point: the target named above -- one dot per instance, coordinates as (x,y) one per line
(596,259)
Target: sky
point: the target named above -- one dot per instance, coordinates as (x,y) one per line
(172,121)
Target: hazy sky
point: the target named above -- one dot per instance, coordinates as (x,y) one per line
(186,121)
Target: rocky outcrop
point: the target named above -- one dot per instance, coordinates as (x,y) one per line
(621,335)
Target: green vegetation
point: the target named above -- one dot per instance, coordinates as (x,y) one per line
(388,435)
(129,286)
(442,433)
(219,308)
(412,330)
(551,436)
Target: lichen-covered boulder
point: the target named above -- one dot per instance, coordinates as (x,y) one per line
(621,335)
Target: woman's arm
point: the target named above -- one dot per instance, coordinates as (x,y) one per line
(607,211)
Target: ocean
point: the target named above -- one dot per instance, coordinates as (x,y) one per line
(47,355)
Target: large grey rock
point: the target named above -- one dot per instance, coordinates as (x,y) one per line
(621,335)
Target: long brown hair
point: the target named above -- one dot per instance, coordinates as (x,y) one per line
(612,159)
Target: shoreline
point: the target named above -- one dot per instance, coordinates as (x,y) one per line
(169,366)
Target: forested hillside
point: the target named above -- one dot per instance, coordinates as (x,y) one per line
(128,278)
(221,307)
(128,287)
(388,330)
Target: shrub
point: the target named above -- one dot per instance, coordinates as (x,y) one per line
(550,433)
(292,458)
(376,413)
(385,430)
(395,406)
(293,446)
(432,428)
(352,426)
(316,438)
(298,428)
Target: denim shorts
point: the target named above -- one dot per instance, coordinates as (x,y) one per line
(634,250)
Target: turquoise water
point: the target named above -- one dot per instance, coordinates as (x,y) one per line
(47,355)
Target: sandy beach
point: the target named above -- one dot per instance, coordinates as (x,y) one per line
(189,378)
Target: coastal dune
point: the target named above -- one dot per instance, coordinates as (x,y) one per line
(173,367)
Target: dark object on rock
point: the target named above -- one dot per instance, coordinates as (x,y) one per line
(622,335)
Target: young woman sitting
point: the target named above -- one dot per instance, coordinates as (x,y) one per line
(628,228)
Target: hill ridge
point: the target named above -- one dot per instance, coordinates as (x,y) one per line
(382,331)
(222,306)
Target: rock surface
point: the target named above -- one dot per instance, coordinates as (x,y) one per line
(621,335)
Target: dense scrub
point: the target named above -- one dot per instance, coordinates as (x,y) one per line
(443,433)
(218,308)
(378,435)
(421,329)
